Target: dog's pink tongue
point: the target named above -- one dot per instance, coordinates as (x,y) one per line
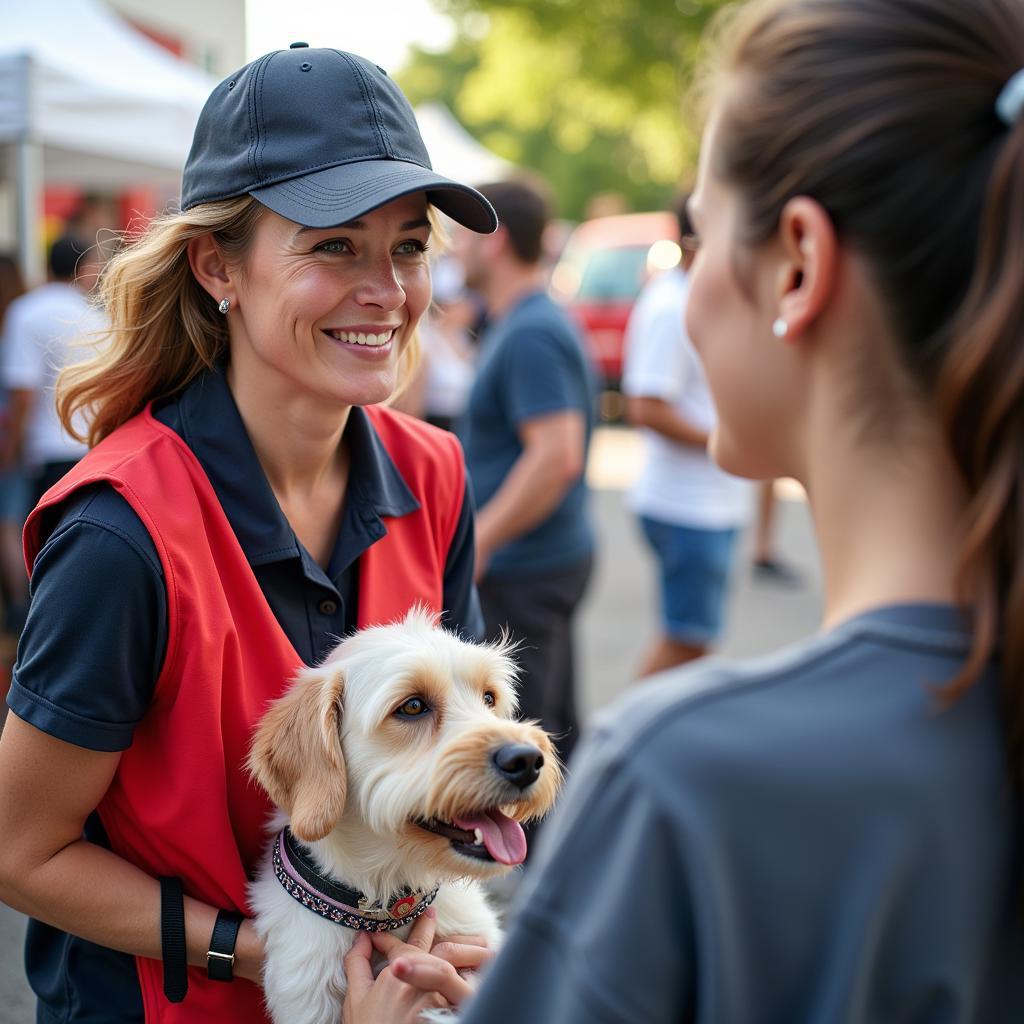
(503,836)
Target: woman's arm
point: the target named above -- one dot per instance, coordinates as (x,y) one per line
(47,870)
(85,676)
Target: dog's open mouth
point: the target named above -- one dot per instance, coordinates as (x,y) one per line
(487,835)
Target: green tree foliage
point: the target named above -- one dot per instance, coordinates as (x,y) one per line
(590,93)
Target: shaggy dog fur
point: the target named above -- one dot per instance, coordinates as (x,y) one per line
(399,726)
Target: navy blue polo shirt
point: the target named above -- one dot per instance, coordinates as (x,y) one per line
(94,642)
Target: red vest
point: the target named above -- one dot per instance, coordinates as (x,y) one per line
(181,802)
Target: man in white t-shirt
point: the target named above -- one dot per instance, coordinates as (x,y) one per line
(40,330)
(691,512)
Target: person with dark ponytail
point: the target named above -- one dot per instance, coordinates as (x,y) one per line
(831,834)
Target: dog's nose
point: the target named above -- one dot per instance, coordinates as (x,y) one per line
(518,763)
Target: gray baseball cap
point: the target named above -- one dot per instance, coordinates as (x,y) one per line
(319,136)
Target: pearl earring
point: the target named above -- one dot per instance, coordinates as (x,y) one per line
(225,305)
(780,328)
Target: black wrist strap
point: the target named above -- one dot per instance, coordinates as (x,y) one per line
(220,959)
(172,939)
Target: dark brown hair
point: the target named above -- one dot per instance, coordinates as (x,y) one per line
(12,284)
(681,211)
(884,111)
(523,210)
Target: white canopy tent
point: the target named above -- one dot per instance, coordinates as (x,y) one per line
(86,100)
(454,152)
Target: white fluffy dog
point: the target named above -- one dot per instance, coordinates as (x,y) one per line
(403,779)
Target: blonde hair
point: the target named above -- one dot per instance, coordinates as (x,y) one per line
(164,329)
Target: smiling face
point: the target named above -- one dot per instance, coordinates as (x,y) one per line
(327,312)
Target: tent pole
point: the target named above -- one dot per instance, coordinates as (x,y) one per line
(29,178)
(28,186)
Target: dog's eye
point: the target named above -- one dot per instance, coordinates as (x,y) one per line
(414,707)
(489,699)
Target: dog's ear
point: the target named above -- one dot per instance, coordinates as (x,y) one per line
(296,753)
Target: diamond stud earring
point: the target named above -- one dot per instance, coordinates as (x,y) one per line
(780,328)
(225,305)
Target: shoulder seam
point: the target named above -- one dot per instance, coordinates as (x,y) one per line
(126,537)
(731,683)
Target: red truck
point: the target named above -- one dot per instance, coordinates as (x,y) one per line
(605,263)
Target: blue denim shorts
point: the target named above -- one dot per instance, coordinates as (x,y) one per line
(694,568)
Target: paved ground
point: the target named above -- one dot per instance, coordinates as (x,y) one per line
(620,609)
(615,625)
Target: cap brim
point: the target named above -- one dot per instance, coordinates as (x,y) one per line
(340,194)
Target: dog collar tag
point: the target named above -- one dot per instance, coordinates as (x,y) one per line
(403,906)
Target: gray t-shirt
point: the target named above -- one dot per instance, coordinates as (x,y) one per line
(806,838)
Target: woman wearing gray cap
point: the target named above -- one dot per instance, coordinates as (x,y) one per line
(246,501)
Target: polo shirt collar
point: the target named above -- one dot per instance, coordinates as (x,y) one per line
(212,427)
(374,477)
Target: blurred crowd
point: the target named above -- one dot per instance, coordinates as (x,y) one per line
(39,329)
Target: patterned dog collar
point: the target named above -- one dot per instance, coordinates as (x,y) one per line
(348,907)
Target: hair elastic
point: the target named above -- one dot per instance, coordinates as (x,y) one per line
(1010,102)
(172,939)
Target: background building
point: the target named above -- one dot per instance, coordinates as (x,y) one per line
(207,33)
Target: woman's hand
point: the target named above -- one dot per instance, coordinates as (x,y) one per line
(249,954)
(414,980)
(463,952)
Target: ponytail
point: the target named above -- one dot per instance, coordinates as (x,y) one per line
(981,402)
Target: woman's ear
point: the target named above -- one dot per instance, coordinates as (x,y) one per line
(806,277)
(296,753)
(209,268)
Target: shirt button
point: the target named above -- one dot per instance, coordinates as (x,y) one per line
(328,607)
